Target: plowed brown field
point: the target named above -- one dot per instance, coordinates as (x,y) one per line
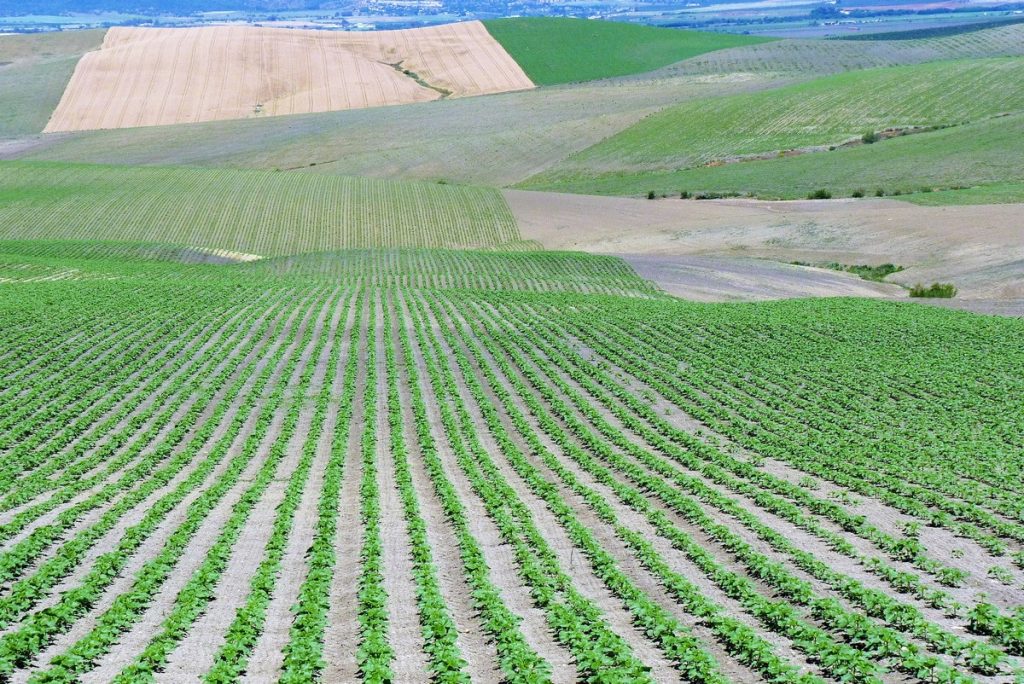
(152,77)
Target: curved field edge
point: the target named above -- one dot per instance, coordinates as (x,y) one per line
(34,71)
(251,212)
(563,50)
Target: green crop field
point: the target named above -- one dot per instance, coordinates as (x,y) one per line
(553,51)
(827,111)
(369,465)
(977,154)
(34,69)
(271,411)
(254,212)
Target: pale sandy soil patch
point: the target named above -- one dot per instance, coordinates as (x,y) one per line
(151,77)
(978,248)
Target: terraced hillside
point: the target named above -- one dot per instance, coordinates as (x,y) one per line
(253,212)
(255,472)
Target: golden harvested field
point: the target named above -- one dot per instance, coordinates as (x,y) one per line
(153,77)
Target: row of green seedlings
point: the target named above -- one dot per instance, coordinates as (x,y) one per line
(978,656)
(518,661)
(901,549)
(134,488)
(844,407)
(439,631)
(18,648)
(575,621)
(374,654)
(304,653)
(191,601)
(760,566)
(769,432)
(675,639)
(230,659)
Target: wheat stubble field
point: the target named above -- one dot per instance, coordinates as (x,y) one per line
(152,77)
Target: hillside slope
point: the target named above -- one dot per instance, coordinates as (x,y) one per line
(34,70)
(253,212)
(149,77)
(561,50)
(828,111)
(977,154)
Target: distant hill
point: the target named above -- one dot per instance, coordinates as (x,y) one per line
(560,50)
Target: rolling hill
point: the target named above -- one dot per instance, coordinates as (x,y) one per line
(562,50)
(251,212)
(830,111)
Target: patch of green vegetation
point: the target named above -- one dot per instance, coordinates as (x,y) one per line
(875,273)
(804,117)
(992,193)
(562,50)
(934,291)
(256,212)
(37,71)
(984,155)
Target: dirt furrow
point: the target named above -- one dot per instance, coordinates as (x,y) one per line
(480,654)
(268,655)
(499,556)
(191,558)
(195,653)
(637,523)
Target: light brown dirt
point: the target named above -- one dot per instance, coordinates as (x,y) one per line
(151,77)
(978,248)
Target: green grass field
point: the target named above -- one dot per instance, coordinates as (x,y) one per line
(34,69)
(977,154)
(257,212)
(557,50)
(826,111)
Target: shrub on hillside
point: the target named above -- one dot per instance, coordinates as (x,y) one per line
(820,194)
(934,291)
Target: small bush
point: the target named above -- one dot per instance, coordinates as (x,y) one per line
(651,194)
(685,194)
(858,193)
(879,192)
(934,291)
(820,194)
(869,138)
